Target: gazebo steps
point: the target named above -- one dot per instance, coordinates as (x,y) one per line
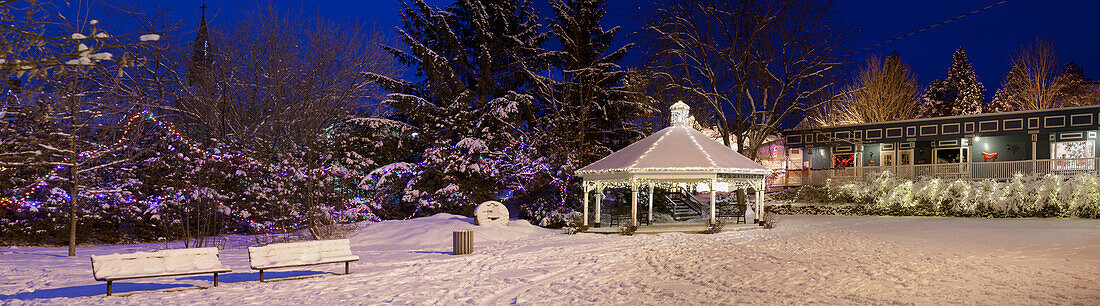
(689,228)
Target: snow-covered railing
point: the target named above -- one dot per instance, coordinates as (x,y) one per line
(1002,170)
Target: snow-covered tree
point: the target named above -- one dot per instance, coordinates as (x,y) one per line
(1073,88)
(961,93)
(934,99)
(1010,95)
(474,57)
(588,105)
(83,129)
(969,91)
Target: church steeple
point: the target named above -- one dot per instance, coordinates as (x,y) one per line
(202,59)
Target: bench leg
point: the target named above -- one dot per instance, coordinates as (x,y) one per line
(261,276)
(108,288)
(347,267)
(215,279)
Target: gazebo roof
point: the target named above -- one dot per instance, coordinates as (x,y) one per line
(676,152)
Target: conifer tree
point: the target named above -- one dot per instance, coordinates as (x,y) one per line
(969,91)
(470,106)
(1072,87)
(959,94)
(1008,97)
(588,106)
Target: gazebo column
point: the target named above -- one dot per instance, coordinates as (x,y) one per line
(713,197)
(760,202)
(599,203)
(741,190)
(633,203)
(649,216)
(585,213)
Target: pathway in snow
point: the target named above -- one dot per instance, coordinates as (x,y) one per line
(845,260)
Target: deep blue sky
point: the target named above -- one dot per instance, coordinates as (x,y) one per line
(990,37)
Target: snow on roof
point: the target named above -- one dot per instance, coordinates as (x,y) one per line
(675,149)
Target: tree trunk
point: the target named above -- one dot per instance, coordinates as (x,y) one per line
(73,197)
(74,171)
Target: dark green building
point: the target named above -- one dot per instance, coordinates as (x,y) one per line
(982,146)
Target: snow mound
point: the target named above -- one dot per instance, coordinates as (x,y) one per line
(436,231)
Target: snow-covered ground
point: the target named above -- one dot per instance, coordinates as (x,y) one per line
(826,259)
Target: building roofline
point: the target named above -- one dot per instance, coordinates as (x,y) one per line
(950,117)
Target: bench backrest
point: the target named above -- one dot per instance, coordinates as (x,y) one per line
(155,263)
(299,253)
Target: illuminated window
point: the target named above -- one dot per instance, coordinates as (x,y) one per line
(844,160)
(1074,155)
(795,159)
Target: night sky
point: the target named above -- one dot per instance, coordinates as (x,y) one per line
(990,37)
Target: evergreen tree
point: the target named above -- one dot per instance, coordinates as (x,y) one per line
(935,99)
(1010,96)
(1072,88)
(960,94)
(969,91)
(469,108)
(587,107)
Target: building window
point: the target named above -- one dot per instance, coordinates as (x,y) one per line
(949,156)
(1074,155)
(795,160)
(887,158)
(844,160)
(905,157)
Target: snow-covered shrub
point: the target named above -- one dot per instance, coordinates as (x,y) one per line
(771,220)
(628,230)
(575,224)
(715,227)
(1020,196)
(1084,200)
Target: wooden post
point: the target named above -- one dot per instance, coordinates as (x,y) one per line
(215,279)
(760,201)
(634,203)
(347,267)
(261,275)
(585,213)
(713,216)
(741,200)
(599,203)
(649,217)
(108,288)
(1034,152)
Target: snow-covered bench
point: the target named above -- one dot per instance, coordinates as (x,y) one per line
(156,264)
(296,254)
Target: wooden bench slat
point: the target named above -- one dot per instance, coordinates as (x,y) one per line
(300,253)
(164,275)
(163,263)
(305,264)
(296,254)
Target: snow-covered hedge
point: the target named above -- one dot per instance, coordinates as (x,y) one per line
(1022,196)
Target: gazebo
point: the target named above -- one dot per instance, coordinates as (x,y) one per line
(678,154)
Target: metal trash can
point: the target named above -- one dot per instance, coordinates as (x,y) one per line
(463,242)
